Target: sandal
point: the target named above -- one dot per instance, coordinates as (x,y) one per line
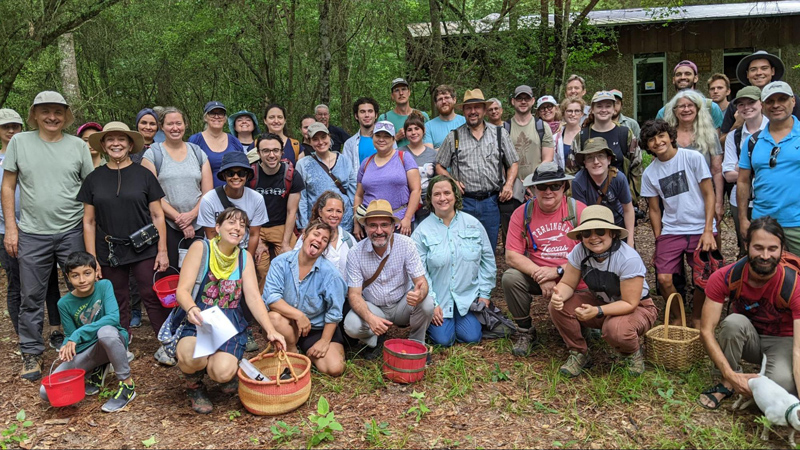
(709,393)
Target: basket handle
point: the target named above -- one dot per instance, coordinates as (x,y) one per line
(155,274)
(282,358)
(666,313)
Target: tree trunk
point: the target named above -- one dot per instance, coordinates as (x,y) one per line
(290,25)
(544,31)
(436,46)
(325,46)
(340,30)
(69,74)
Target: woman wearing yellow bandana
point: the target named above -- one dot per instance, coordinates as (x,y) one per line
(229,274)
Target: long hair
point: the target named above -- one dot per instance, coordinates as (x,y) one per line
(322,200)
(705,135)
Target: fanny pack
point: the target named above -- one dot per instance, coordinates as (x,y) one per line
(140,240)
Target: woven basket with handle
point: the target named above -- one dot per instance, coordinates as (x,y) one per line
(674,347)
(276,397)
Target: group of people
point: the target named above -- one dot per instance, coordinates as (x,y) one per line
(329,241)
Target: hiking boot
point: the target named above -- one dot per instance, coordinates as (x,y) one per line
(96,380)
(136,318)
(252,345)
(199,397)
(31,367)
(162,357)
(56,339)
(524,342)
(376,352)
(636,362)
(231,387)
(124,395)
(576,362)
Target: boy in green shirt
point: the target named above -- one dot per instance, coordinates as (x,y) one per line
(94,337)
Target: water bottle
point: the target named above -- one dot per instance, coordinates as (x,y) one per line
(251,371)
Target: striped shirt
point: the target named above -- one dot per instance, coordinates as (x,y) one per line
(394,281)
(478,165)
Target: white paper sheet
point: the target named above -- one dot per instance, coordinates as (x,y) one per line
(215,331)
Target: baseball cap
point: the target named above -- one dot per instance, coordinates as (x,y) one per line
(617,93)
(776,87)
(384,126)
(9,116)
(523,89)
(546,99)
(317,127)
(398,81)
(212,105)
(688,63)
(751,92)
(599,96)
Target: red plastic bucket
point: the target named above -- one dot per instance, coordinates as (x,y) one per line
(404,360)
(66,387)
(165,288)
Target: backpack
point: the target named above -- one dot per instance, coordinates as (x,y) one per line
(603,191)
(527,235)
(288,175)
(158,155)
(495,325)
(790,265)
(295,148)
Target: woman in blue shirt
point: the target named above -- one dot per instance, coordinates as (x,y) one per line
(214,141)
(459,264)
(305,294)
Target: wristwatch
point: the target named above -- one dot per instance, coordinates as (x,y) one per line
(600,312)
(560,271)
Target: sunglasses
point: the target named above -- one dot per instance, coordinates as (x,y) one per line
(588,233)
(236,173)
(554,187)
(773,157)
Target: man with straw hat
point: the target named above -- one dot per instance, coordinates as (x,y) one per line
(620,303)
(49,166)
(379,271)
(483,162)
(537,247)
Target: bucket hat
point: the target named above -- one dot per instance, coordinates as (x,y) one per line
(96,139)
(546,172)
(593,145)
(233,160)
(232,122)
(596,217)
(46,98)
(9,116)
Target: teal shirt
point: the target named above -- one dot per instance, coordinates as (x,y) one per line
(437,129)
(399,121)
(81,317)
(459,261)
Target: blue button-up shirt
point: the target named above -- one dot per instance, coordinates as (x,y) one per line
(458,259)
(320,295)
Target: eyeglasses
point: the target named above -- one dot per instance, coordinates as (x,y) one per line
(687,106)
(547,106)
(573,112)
(773,157)
(586,234)
(216,114)
(236,173)
(554,187)
(268,151)
(523,98)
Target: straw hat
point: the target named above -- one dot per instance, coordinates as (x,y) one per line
(96,139)
(474,96)
(597,217)
(378,208)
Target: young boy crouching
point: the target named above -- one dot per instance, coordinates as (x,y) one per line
(94,337)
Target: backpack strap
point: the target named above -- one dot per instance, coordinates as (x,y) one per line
(571,215)
(502,153)
(223,197)
(603,191)
(737,139)
(455,154)
(788,285)
(158,156)
(288,176)
(202,272)
(527,235)
(295,148)
(254,181)
(734,279)
(540,131)
(507,125)
(335,180)
(624,134)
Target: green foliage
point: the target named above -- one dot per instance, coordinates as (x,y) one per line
(254,440)
(323,424)
(420,409)
(283,432)
(234,414)
(559,444)
(14,434)
(498,374)
(375,431)
(668,396)
(149,442)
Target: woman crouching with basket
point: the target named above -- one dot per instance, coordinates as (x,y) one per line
(227,275)
(622,306)
(305,294)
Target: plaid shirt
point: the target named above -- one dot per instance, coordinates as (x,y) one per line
(478,165)
(394,282)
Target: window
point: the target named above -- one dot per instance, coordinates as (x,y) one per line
(731,58)
(649,74)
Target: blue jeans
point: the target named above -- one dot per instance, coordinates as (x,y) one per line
(464,329)
(488,214)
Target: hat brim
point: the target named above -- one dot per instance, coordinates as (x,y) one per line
(232,123)
(222,170)
(486,103)
(596,225)
(736,100)
(378,214)
(96,140)
(744,65)
(8,121)
(68,121)
(579,156)
(528,182)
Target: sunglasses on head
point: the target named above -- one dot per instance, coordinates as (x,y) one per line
(588,233)
(236,173)
(773,157)
(554,187)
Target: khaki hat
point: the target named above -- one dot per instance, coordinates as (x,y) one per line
(593,145)
(596,217)
(96,139)
(599,96)
(9,116)
(315,128)
(45,98)
(378,208)
(751,92)
(474,96)
(546,172)
(776,87)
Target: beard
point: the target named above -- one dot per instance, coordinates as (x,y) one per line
(756,265)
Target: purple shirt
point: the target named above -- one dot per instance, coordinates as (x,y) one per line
(388,182)
(214,158)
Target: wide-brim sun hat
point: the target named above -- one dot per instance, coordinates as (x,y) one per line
(594,145)
(546,172)
(474,96)
(744,66)
(234,160)
(232,122)
(95,140)
(378,208)
(8,116)
(596,217)
(48,98)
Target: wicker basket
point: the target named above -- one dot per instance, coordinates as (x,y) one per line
(674,347)
(276,397)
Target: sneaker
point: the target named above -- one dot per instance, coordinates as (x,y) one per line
(162,357)
(231,387)
(96,380)
(31,366)
(252,345)
(708,262)
(123,396)
(56,339)
(371,354)
(136,318)
(523,343)
(199,398)
(576,362)
(636,362)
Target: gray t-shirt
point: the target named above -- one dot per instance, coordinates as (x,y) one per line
(623,264)
(16,199)
(250,202)
(180,180)
(426,162)
(49,175)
